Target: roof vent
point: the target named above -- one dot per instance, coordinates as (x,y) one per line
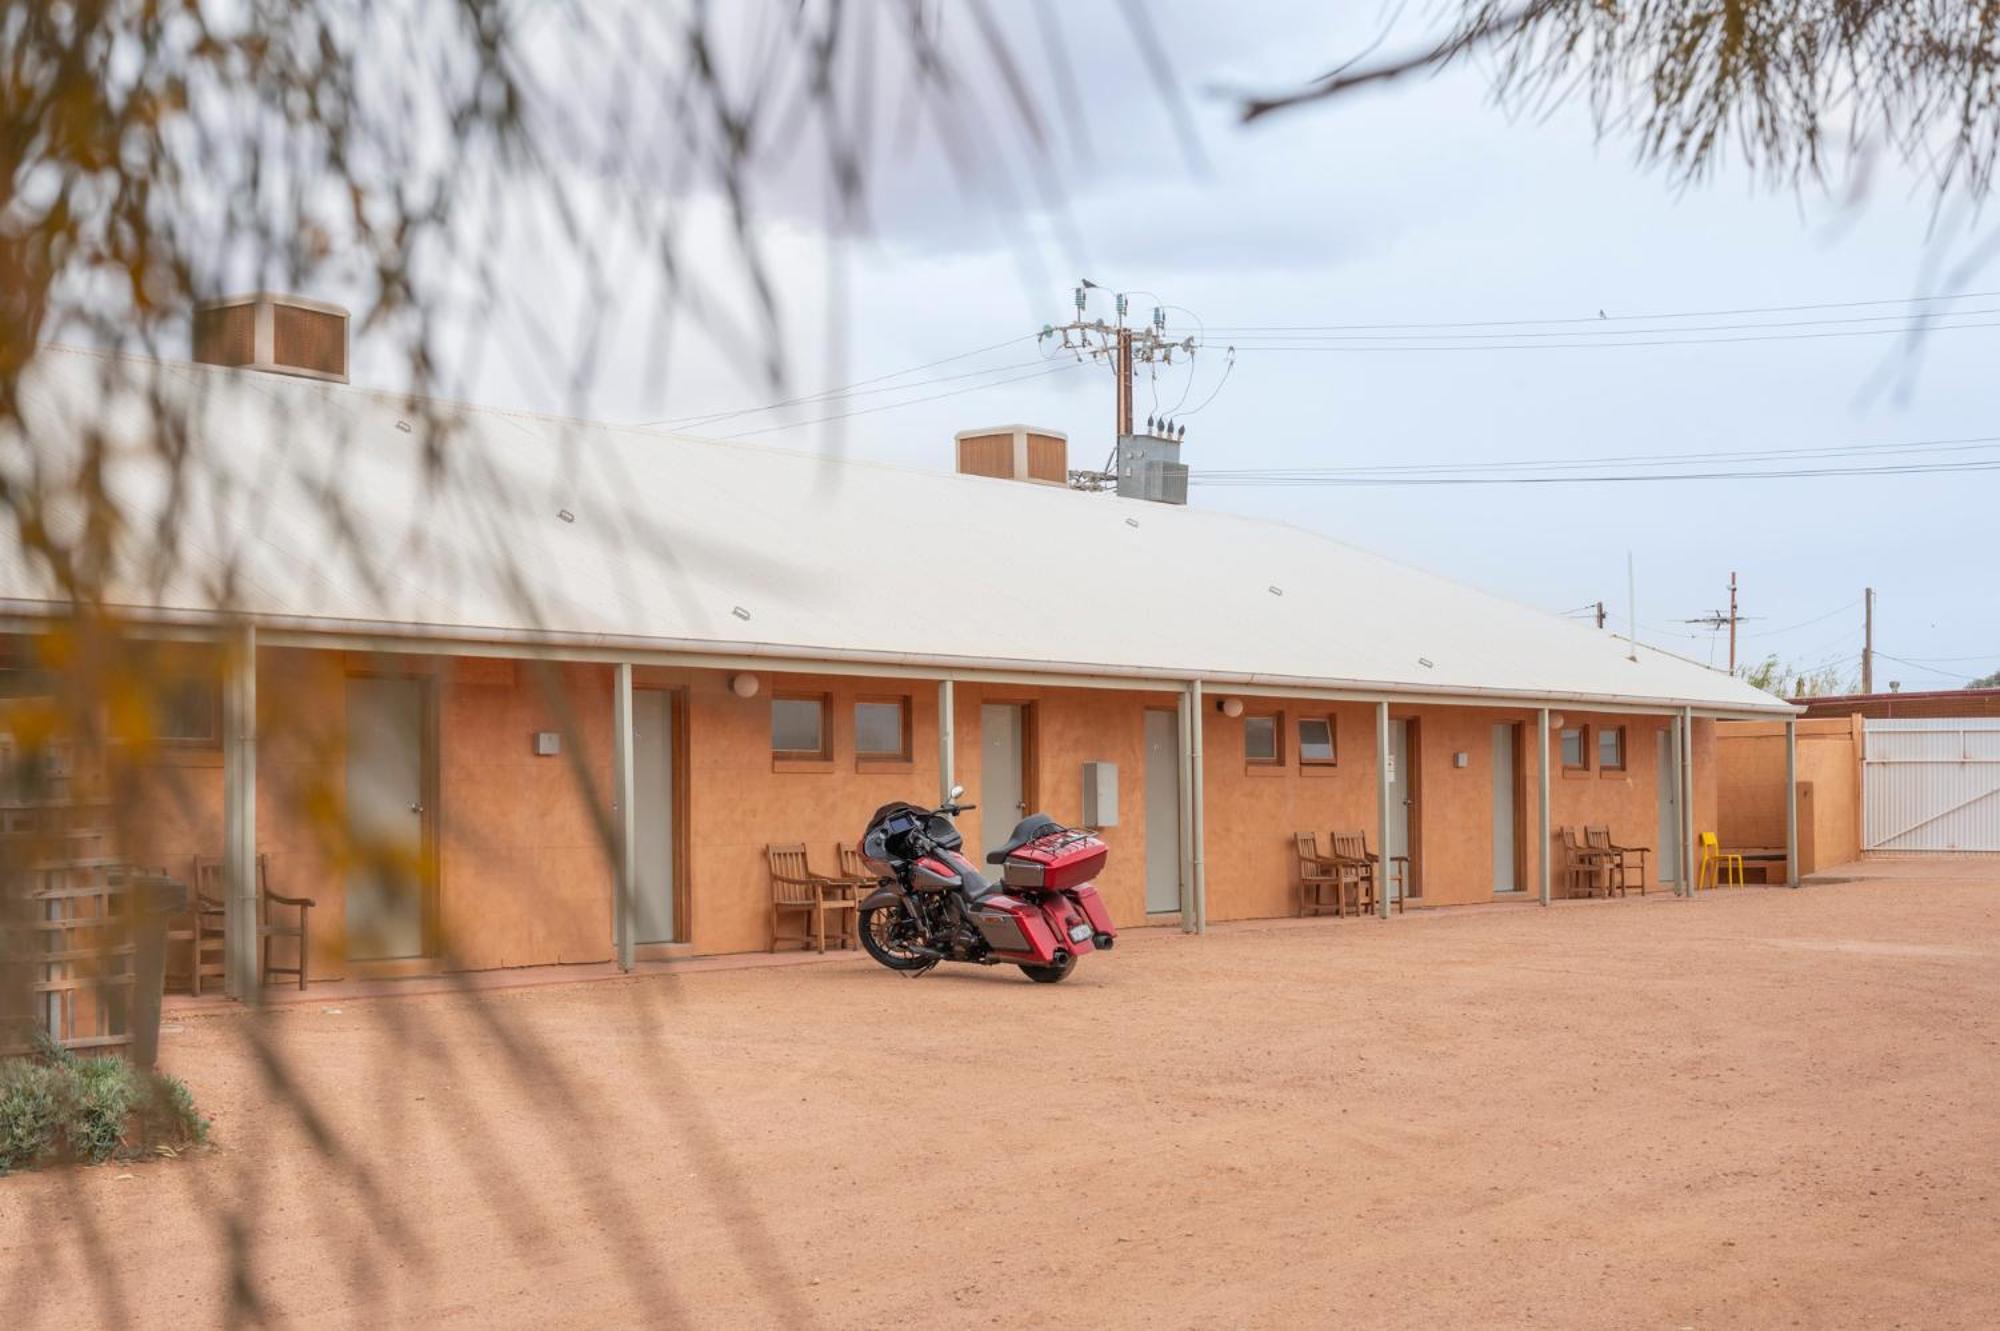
(276,333)
(1015,453)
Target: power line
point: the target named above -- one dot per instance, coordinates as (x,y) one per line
(1804,623)
(911,402)
(1899,469)
(1613,318)
(846,389)
(1929,670)
(1602,345)
(1949,444)
(1620,332)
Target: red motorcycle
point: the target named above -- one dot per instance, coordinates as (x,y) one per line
(933,905)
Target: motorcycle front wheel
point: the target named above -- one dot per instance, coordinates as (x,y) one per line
(1065,962)
(889,935)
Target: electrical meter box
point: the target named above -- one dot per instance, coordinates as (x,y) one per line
(1100,794)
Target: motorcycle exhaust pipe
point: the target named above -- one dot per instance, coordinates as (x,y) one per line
(1103,942)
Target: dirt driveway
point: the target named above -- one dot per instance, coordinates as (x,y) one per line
(1767,1108)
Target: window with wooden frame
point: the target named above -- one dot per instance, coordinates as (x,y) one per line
(1316,741)
(1576,748)
(1263,739)
(1611,748)
(882,729)
(188,710)
(798,726)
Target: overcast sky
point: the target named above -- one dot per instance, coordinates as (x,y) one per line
(1417,202)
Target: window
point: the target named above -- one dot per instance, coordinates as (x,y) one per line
(1316,740)
(1575,754)
(798,726)
(190,710)
(1260,740)
(882,728)
(1611,749)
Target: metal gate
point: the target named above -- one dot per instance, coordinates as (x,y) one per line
(1931,784)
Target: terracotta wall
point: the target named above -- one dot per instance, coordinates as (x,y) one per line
(1750,769)
(523,876)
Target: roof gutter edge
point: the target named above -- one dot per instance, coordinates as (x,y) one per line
(303,630)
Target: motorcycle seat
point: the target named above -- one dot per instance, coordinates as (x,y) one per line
(1028,829)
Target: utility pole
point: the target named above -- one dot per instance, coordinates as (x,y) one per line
(1600,615)
(1716,619)
(1125,349)
(1868,640)
(1732,621)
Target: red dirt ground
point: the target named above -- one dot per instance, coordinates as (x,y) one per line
(1765,1108)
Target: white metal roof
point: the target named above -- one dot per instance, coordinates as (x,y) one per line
(311,508)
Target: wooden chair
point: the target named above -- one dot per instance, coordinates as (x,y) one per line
(852,883)
(1317,872)
(1399,872)
(1586,871)
(1626,862)
(1716,862)
(201,930)
(797,890)
(208,884)
(1356,868)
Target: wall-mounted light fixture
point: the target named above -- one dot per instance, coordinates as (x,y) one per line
(1231,707)
(1555,720)
(743,685)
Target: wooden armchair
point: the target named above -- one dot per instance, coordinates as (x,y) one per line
(796,891)
(1317,872)
(1586,871)
(208,886)
(1399,872)
(1626,861)
(1357,870)
(201,930)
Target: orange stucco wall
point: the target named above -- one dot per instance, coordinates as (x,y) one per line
(522,871)
(1750,767)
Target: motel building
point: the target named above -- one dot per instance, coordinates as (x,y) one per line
(550,701)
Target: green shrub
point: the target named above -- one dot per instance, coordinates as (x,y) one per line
(31,1112)
(56,1106)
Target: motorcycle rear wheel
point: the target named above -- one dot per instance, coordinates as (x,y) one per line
(1056,974)
(878,928)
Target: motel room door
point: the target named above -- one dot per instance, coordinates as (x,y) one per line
(1670,806)
(388,823)
(1506,781)
(1003,795)
(1163,813)
(1403,813)
(653,816)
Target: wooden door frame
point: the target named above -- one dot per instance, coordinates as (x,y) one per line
(1521,796)
(1413,759)
(681,845)
(1030,748)
(429,856)
(1172,714)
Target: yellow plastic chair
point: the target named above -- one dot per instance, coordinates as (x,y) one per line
(1716,863)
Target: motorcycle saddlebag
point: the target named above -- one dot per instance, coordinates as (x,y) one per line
(1054,863)
(1016,930)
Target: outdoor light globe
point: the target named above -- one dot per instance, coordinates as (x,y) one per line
(744,685)
(1232,707)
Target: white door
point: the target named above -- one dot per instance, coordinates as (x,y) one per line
(1505,878)
(385,818)
(1163,812)
(1401,798)
(653,813)
(1001,797)
(1670,806)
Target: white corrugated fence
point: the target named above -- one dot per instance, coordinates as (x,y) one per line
(1931,784)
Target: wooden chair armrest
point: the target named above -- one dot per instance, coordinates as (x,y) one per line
(814,881)
(277,900)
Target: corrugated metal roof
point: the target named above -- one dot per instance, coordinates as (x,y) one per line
(311,507)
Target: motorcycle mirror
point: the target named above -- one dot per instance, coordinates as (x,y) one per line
(956,791)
